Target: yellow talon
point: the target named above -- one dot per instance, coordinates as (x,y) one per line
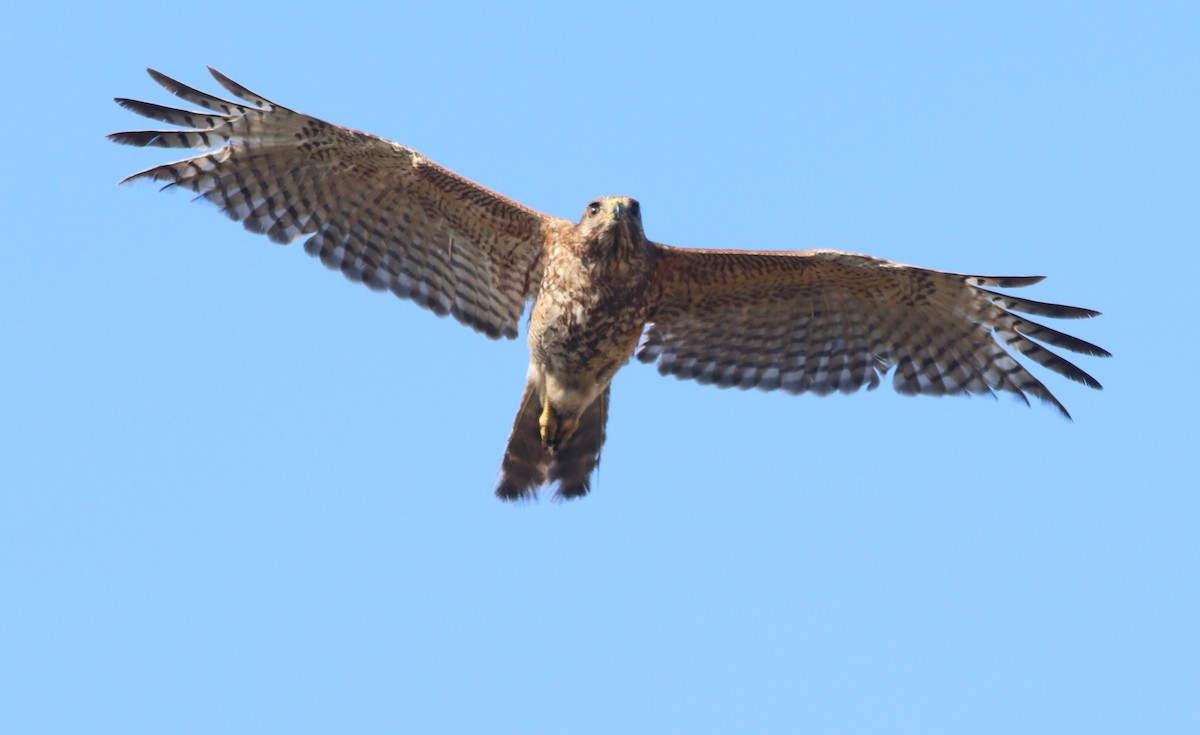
(549,425)
(555,429)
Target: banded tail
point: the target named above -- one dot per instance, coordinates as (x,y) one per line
(527,465)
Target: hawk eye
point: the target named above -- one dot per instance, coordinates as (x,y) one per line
(594,208)
(635,209)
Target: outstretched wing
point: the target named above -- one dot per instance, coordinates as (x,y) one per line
(375,210)
(825,321)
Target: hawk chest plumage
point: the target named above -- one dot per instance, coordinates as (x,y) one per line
(592,303)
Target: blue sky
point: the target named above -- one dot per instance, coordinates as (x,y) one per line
(243,496)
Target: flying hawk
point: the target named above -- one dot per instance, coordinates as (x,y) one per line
(807,321)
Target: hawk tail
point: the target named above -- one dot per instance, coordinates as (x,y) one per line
(527,465)
(578,457)
(526,461)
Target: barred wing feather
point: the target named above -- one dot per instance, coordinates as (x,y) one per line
(823,321)
(377,211)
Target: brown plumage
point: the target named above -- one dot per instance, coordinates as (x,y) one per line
(385,216)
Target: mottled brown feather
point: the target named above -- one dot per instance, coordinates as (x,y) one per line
(822,321)
(377,211)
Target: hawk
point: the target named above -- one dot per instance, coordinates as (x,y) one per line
(814,321)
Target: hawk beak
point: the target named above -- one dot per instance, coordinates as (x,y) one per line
(616,210)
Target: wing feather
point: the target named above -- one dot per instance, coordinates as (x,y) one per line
(823,321)
(375,210)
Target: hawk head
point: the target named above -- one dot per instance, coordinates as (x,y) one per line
(611,229)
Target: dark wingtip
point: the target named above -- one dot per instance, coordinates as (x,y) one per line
(126,102)
(162,80)
(1006,281)
(240,91)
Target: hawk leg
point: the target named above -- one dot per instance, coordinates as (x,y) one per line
(556,428)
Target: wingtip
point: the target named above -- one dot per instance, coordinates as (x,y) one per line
(131,177)
(134,106)
(1007,281)
(161,79)
(241,92)
(221,78)
(1049,399)
(124,137)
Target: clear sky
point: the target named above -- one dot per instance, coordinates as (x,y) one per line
(243,496)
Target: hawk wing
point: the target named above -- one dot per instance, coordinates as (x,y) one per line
(375,210)
(825,321)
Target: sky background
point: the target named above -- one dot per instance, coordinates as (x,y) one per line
(242,496)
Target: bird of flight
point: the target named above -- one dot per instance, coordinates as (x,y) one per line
(805,321)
